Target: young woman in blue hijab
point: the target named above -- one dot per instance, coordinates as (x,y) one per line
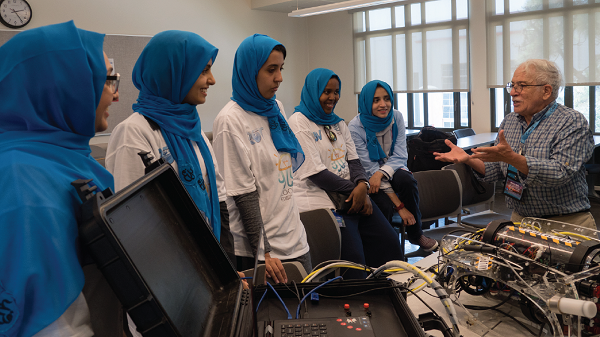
(257,153)
(55,96)
(380,139)
(173,75)
(332,166)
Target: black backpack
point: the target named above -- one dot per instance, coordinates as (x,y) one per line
(422,146)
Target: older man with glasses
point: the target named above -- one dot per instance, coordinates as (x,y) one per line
(540,151)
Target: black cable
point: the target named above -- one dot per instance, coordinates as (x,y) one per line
(345,271)
(541,330)
(366,269)
(450,251)
(473,307)
(492,328)
(516,320)
(298,295)
(477,307)
(448,330)
(427,305)
(293,292)
(305,303)
(379,288)
(434,296)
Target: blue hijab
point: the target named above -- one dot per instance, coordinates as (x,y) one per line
(374,124)
(250,56)
(310,106)
(164,73)
(51,81)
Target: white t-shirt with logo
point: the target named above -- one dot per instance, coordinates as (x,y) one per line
(320,154)
(135,135)
(248,161)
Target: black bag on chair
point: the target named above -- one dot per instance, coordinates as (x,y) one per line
(422,147)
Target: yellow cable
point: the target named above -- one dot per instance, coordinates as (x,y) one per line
(468,242)
(422,285)
(335,266)
(393,270)
(311,274)
(575,235)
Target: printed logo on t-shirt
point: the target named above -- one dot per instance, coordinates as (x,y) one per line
(338,161)
(255,136)
(285,176)
(166,154)
(317,136)
(9,312)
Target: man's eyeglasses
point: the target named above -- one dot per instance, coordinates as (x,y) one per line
(113,82)
(330,134)
(519,87)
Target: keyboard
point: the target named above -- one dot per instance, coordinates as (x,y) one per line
(323,327)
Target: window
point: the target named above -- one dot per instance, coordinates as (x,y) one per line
(563,31)
(421,50)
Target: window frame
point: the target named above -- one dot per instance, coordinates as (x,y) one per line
(568,96)
(410,113)
(362,38)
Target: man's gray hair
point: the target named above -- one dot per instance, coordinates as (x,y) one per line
(545,72)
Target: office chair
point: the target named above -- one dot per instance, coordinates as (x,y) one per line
(475,193)
(323,235)
(459,133)
(99,152)
(293,269)
(440,196)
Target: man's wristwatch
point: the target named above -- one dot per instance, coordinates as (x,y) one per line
(366,182)
(399,207)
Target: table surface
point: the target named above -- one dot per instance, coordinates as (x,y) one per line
(499,325)
(412,132)
(481,139)
(477,140)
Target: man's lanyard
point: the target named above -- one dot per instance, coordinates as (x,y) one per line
(530,129)
(513,187)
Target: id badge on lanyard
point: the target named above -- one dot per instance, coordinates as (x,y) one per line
(513,186)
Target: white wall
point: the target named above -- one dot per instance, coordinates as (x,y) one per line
(330,45)
(224,23)
(319,41)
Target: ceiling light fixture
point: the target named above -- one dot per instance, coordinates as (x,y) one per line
(337,7)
